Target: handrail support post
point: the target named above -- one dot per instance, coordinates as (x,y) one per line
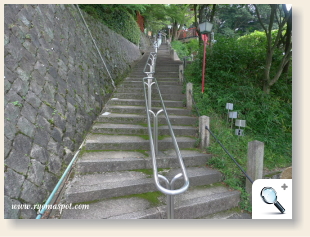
(155,130)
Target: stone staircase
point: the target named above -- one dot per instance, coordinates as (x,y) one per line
(113,173)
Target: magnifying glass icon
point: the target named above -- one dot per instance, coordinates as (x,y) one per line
(269,196)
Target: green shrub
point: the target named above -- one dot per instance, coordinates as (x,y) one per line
(117,18)
(185,49)
(233,75)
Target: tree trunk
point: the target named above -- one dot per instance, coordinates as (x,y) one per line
(271,46)
(288,37)
(266,79)
(174,30)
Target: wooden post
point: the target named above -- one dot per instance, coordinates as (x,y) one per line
(181,69)
(204,134)
(189,91)
(255,163)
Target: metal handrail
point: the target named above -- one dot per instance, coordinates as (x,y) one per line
(151,62)
(217,140)
(176,147)
(153,138)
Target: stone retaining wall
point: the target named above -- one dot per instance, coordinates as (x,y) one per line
(55,86)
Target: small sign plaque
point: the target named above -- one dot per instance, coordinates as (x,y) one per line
(232,114)
(229,106)
(239,132)
(240,123)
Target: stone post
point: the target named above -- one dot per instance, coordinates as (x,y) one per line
(255,163)
(189,100)
(181,69)
(204,134)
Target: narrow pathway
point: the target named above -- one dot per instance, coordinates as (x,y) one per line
(113,174)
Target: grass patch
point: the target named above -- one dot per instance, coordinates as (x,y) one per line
(149,172)
(152,197)
(143,152)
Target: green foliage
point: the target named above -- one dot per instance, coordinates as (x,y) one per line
(193,45)
(233,69)
(17,103)
(185,49)
(118,17)
(233,75)
(180,48)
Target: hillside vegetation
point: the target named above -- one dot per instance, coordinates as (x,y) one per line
(233,75)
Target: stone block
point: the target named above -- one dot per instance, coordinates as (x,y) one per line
(46,111)
(42,55)
(9,212)
(37,90)
(68,155)
(57,135)
(10,61)
(36,172)
(12,112)
(7,146)
(15,48)
(30,47)
(28,214)
(12,183)
(36,76)
(18,158)
(32,194)
(20,87)
(41,137)
(33,99)
(9,129)
(9,75)
(28,112)
(49,93)
(60,122)
(26,127)
(43,123)
(23,74)
(39,153)
(68,143)
(28,61)
(7,86)
(40,67)
(54,164)
(50,181)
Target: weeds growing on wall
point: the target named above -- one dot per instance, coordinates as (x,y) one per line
(117,17)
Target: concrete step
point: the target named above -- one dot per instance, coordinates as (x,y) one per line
(194,203)
(133,129)
(92,187)
(104,161)
(161,81)
(141,110)
(208,201)
(234,213)
(177,89)
(155,96)
(155,103)
(114,171)
(159,72)
(122,142)
(141,119)
(138,83)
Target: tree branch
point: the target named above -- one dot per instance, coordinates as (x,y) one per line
(259,18)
